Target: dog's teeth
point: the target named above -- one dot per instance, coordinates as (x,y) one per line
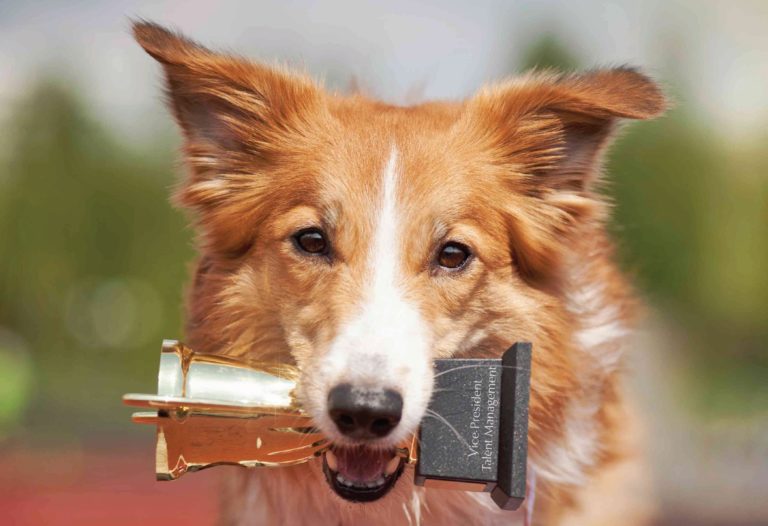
(392,465)
(330,458)
(358,484)
(374,483)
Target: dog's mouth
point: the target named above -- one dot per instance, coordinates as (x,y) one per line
(361,473)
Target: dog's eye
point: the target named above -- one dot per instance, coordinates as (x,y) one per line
(311,241)
(453,255)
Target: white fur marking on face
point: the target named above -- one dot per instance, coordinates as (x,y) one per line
(386,345)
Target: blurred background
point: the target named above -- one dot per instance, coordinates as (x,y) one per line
(93,259)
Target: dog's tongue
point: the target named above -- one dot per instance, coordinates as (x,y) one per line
(361,463)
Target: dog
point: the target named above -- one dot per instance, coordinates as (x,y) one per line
(360,241)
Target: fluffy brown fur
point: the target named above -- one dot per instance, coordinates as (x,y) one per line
(511,172)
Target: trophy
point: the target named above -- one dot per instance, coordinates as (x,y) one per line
(213,410)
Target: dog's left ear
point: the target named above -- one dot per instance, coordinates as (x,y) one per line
(556,126)
(550,132)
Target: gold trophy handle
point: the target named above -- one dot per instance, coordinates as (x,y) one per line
(213,410)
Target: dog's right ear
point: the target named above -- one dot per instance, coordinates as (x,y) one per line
(223,102)
(237,116)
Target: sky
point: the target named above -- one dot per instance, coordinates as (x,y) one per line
(400,50)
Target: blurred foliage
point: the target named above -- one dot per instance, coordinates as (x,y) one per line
(692,221)
(549,53)
(94,258)
(15,381)
(92,261)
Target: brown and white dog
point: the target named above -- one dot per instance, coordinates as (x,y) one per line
(362,240)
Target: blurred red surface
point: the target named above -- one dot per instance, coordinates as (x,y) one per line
(115,487)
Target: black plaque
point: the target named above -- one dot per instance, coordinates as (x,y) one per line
(475,435)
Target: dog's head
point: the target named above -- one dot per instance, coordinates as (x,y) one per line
(363,240)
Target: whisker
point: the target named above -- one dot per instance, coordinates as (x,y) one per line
(442,419)
(473,366)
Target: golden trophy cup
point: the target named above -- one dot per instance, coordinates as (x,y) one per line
(212,410)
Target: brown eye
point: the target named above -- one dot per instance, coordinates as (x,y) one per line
(311,241)
(453,255)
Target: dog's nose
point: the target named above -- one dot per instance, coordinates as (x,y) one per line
(364,413)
